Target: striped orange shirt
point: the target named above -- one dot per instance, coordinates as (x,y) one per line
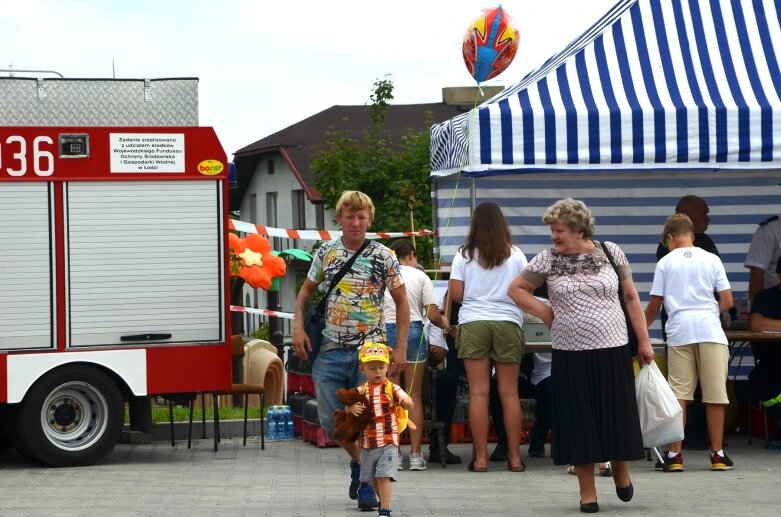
(385,427)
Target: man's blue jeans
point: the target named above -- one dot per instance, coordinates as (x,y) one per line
(336,368)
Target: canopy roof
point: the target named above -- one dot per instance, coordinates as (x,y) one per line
(652,84)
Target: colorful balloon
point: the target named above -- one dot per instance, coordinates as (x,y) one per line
(490,44)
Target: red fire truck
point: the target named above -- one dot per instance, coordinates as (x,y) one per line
(113,280)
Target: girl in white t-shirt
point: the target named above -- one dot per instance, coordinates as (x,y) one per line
(489,328)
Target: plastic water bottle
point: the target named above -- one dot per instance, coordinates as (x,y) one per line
(288,414)
(280,418)
(271,420)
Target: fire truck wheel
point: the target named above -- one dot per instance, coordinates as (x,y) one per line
(10,416)
(72,416)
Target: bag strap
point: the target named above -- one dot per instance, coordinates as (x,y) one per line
(388,390)
(339,275)
(612,263)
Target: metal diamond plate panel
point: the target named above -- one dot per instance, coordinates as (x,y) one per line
(98,102)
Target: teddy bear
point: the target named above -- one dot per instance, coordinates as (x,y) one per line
(347,427)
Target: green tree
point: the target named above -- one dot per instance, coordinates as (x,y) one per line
(393,173)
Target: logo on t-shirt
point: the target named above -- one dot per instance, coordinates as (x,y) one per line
(687,254)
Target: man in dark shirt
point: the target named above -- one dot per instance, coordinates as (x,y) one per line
(764,378)
(697,210)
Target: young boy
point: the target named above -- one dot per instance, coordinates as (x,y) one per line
(380,441)
(685,281)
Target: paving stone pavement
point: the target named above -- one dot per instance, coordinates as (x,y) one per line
(292,478)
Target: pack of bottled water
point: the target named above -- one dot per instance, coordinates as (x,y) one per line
(279,421)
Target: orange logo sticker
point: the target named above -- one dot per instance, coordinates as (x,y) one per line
(210,167)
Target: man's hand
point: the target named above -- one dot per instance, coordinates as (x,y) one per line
(398,361)
(301,343)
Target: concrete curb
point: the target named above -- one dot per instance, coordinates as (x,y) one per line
(162,431)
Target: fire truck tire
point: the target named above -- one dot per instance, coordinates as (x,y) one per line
(10,416)
(72,416)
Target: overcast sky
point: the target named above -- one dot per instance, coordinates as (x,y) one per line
(266,64)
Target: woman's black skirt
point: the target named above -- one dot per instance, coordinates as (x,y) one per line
(594,407)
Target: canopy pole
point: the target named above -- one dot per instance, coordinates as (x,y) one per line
(435,223)
(472,195)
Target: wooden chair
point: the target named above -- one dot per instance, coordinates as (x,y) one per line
(237,352)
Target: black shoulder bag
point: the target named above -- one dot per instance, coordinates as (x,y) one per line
(630,332)
(315,319)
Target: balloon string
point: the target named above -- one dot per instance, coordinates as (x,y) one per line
(437,260)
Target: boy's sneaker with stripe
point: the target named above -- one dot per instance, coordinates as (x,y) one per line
(719,462)
(674,464)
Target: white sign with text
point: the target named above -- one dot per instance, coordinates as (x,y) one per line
(147,152)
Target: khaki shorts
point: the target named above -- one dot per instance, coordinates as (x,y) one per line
(502,341)
(707,362)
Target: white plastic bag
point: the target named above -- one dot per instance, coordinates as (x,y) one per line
(661,417)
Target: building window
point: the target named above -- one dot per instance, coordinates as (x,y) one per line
(253,209)
(320,216)
(299,209)
(271,217)
(270,167)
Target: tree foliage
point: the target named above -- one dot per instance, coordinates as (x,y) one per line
(393,173)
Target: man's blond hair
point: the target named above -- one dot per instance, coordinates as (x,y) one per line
(352,201)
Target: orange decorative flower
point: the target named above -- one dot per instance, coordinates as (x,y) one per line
(251,258)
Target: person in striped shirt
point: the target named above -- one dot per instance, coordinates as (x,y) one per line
(380,441)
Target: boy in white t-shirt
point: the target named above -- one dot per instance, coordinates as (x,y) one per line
(685,281)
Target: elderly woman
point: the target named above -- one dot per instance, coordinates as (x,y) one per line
(595,415)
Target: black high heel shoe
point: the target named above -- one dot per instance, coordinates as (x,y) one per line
(626,493)
(589,507)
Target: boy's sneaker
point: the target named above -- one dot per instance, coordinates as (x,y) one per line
(367,499)
(674,464)
(719,462)
(416,462)
(355,479)
(384,512)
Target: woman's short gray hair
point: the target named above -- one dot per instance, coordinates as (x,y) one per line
(572,212)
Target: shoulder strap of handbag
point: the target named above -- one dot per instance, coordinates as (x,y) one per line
(605,249)
(612,263)
(340,274)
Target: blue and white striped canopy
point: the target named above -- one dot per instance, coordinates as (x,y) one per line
(653,84)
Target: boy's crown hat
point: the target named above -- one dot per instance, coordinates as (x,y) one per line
(374,352)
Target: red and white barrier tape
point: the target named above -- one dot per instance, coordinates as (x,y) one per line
(313,235)
(263,312)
